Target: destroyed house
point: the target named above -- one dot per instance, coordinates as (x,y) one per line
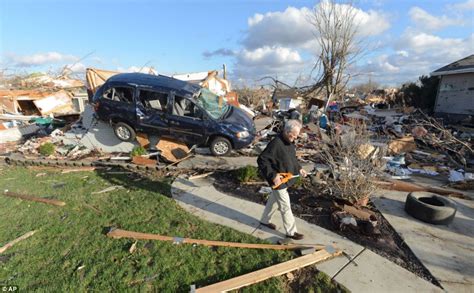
(209,80)
(287,98)
(455,98)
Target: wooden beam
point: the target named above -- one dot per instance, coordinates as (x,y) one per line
(266,273)
(37,199)
(118,233)
(13,242)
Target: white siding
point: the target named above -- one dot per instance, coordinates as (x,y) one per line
(456,94)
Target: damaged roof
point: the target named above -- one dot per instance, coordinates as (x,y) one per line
(156,81)
(465,65)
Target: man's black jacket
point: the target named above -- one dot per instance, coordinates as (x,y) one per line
(278,157)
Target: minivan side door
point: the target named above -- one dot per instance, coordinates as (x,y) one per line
(187,121)
(152,111)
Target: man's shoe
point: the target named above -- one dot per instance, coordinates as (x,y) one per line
(296,236)
(269,225)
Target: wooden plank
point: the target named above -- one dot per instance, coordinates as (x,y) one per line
(266,273)
(119,233)
(31,198)
(81,169)
(13,242)
(200,175)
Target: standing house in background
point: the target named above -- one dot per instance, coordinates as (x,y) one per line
(455,98)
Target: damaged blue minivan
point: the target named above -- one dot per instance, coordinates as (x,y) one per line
(168,107)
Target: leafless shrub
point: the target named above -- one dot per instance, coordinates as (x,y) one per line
(353,164)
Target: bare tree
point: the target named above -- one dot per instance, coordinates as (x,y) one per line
(335,29)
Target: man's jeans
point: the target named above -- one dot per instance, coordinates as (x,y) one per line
(280,199)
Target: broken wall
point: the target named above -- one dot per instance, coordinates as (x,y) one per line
(456,94)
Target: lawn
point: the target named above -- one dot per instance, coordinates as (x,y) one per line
(71,252)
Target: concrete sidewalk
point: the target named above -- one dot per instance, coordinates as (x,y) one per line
(445,250)
(369,273)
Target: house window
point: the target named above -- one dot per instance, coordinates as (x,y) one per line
(154,100)
(120,94)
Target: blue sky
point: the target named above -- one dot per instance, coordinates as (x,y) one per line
(254,38)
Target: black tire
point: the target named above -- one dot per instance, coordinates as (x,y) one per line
(220,146)
(124,132)
(431,208)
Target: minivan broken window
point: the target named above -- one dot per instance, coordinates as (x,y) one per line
(153,100)
(119,94)
(210,102)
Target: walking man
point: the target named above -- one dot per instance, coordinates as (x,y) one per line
(280,157)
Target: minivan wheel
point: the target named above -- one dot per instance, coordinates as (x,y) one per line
(124,132)
(220,146)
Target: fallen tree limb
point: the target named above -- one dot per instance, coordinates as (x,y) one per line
(410,187)
(37,199)
(266,273)
(13,242)
(119,233)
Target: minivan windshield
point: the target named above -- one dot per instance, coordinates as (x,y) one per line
(210,102)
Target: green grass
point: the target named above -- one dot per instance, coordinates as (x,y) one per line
(71,252)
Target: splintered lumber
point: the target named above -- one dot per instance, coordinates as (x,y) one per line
(200,175)
(410,187)
(13,242)
(37,199)
(266,273)
(119,233)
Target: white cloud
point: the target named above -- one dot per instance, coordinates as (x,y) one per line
(281,62)
(468,5)
(292,27)
(371,23)
(269,56)
(40,59)
(77,67)
(416,54)
(283,43)
(422,43)
(289,27)
(427,21)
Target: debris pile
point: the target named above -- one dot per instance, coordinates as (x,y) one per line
(352,144)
